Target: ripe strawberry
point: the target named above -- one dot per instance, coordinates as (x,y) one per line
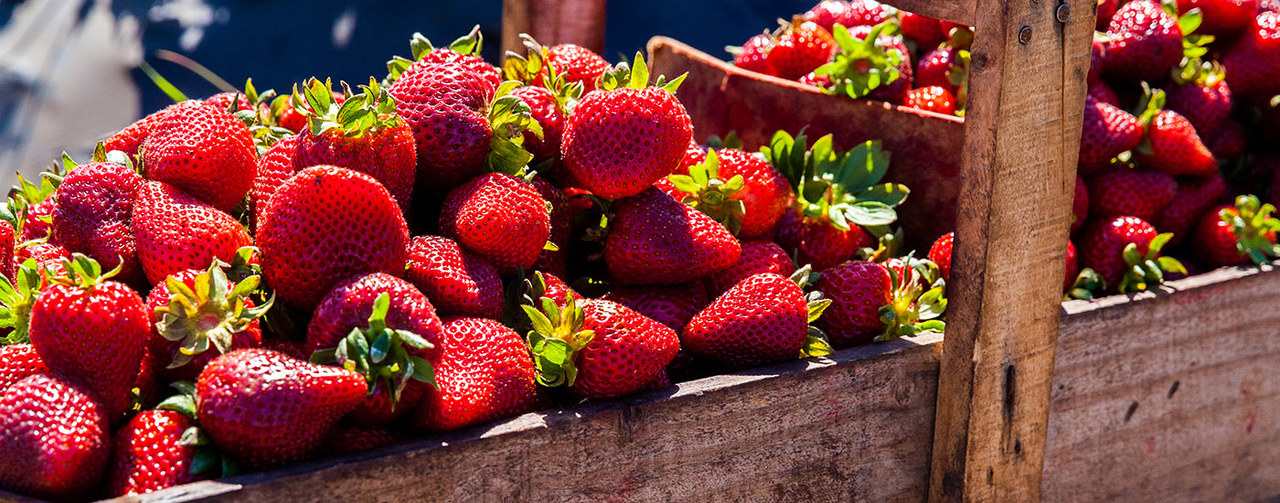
(198,314)
(17,362)
(942,67)
(1106,11)
(39,220)
(457,281)
(499,217)
(1230,142)
(749,206)
(1079,207)
(91,330)
(563,212)
(1128,192)
(1195,196)
(935,99)
(546,108)
(799,48)
(1099,48)
(850,14)
(670,305)
(1102,93)
(1125,252)
(1144,43)
(274,167)
(756,257)
(924,30)
(363,134)
(48,256)
(307,248)
(542,286)
(198,148)
(940,253)
(577,64)
(149,454)
(867,63)
(54,438)
(483,373)
(224,100)
(828,13)
(621,139)
(1172,146)
(1253,63)
(1237,235)
(754,54)
(1205,103)
(176,231)
(346,439)
(817,242)
(857,291)
(597,348)
(1221,18)
(1107,132)
(93,216)
(266,409)
(654,239)
(763,319)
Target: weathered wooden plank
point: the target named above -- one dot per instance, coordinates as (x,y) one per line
(1026,82)
(554,22)
(854,427)
(960,11)
(1170,396)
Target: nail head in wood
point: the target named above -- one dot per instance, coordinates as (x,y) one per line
(1024,35)
(1064,12)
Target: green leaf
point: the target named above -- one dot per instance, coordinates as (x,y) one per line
(541,324)
(816,308)
(639,73)
(866,213)
(1189,22)
(889,194)
(1170,264)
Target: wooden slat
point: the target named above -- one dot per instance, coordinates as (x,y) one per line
(1023,129)
(960,11)
(852,427)
(554,22)
(1170,396)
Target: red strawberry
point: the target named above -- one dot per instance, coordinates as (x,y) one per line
(924,30)
(378,143)
(457,281)
(224,100)
(754,54)
(817,242)
(935,99)
(756,257)
(1106,11)
(618,141)
(547,286)
(1107,132)
(857,291)
(1129,192)
(483,373)
(1102,93)
(750,207)
(940,252)
(175,232)
(274,167)
(53,438)
(17,362)
(1221,17)
(654,239)
(354,316)
(828,13)
(266,409)
(563,212)
(1231,141)
(7,239)
(1253,63)
(1206,105)
(445,105)
(346,439)
(1237,235)
(942,67)
(200,149)
(763,319)
(671,305)
(1073,267)
(1194,198)
(801,47)
(39,220)
(92,217)
(1125,252)
(602,349)
(148,454)
(1099,48)
(499,217)
(1144,43)
(576,64)
(545,107)
(473,63)
(1079,207)
(324,225)
(1172,146)
(198,314)
(91,330)
(46,256)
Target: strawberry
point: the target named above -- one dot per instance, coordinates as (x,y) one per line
(1230,143)
(1125,252)
(1128,192)
(940,252)
(935,99)
(156,450)
(852,13)
(1079,208)
(1107,132)
(1205,102)
(225,99)
(542,286)
(622,138)
(654,239)
(1194,198)
(800,47)
(483,372)
(923,30)
(363,134)
(1172,145)
(274,167)
(93,216)
(670,305)
(1253,63)
(1144,42)
(499,217)
(47,256)
(464,51)
(39,220)
(346,439)
(577,64)
(735,188)
(944,67)
(828,13)
(545,107)
(53,438)
(753,56)
(17,362)
(1106,11)
(458,282)
(91,330)
(763,319)
(176,231)
(198,148)
(563,213)
(756,257)
(265,409)
(867,63)
(1102,93)
(306,248)
(877,302)
(1237,235)
(1099,48)
(295,119)
(1072,267)
(597,348)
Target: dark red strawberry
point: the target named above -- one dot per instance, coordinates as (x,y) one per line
(39,220)
(763,319)
(754,54)
(1095,62)
(1079,208)
(1102,93)
(95,203)
(1172,146)
(577,64)
(940,253)
(500,218)
(541,286)
(756,257)
(346,439)
(445,105)
(654,239)
(1206,103)
(1125,252)
(935,99)
(563,212)
(1107,132)
(483,373)
(943,67)
(671,305)
(1195,196)
(1253,63)
(198,314)
(46,256)
(1128,192)
(266,409)
(1106,11)
(175,232)
(546,108)
(324,225)
(1237,235)
(54,438)
(828,13)
(750,207)
(17,362)
(457,281)
(817,242)
(1221,18)
(148,454)
(857,291)
(1144,43)
(1231,141)
(799,48)
(924,30)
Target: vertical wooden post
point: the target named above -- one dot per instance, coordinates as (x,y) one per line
(553,22)
(1027,87)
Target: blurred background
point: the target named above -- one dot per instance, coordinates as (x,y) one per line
(69,68)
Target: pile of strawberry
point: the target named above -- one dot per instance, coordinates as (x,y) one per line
(865,49)
(250,280)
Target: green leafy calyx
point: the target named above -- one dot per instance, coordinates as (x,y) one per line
(709,193)
(556,338)
(917,300)
(636,76)
(1254,227)
(861,65)
(1146,271)
(208,314)
(381,353)
(843,187)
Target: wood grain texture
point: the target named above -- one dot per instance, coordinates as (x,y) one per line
(1173,396)
(925,146)
(553,22)
(960,11)
(1022,138)
(851,428)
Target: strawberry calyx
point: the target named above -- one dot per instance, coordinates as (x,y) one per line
(208,460)
(861,65)
(707,192)
(379,353)
(843,187)
(917,300)
(210,314)
(555,339)
(419,46)
(527,67)
(816,342)
(16,300)
(1146,271)
(1254,227)
(636,76)
(509,117)
(1194,45)
(26,194)
(372,108)
(1149,107)
(80,271)
(1088,285)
